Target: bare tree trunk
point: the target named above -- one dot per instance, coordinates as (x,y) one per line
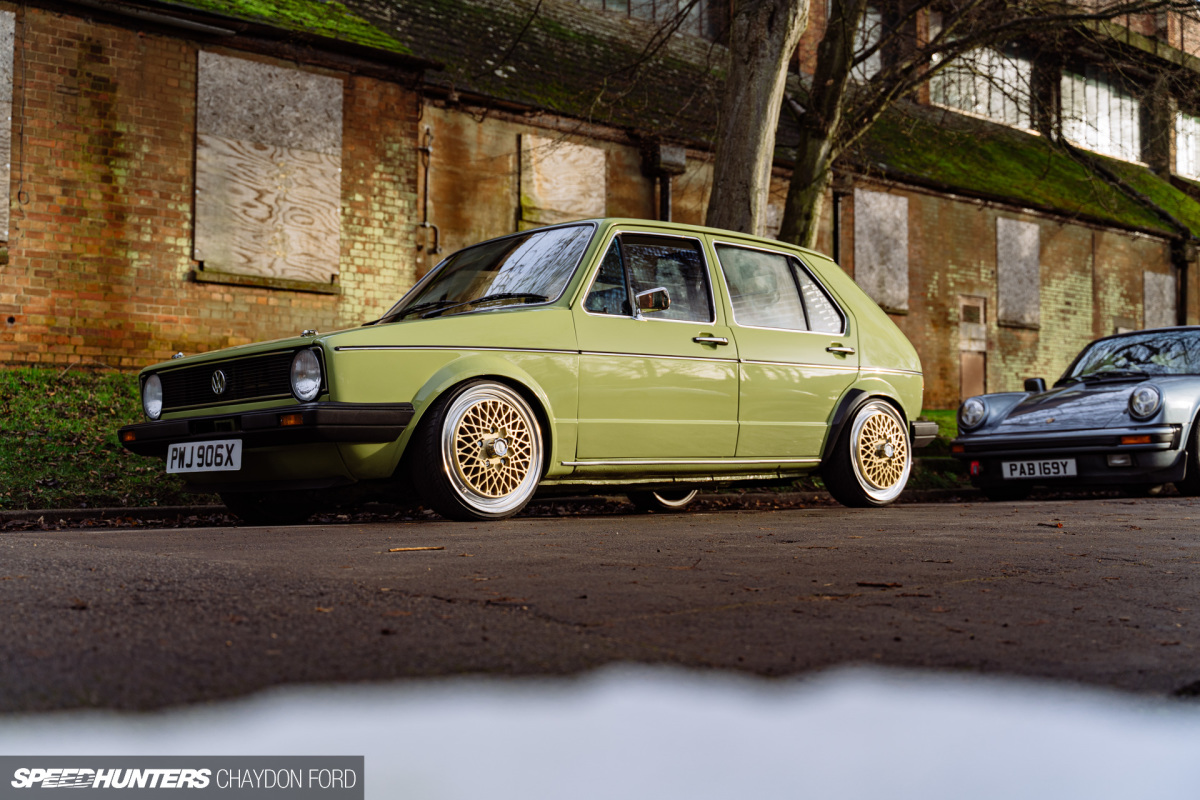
(762,38)
(820,124)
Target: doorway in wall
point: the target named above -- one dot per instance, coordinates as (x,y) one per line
(972,346)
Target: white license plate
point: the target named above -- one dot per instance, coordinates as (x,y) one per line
(224,455)
(1042,468)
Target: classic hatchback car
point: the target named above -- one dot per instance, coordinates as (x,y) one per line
(651,357)
(1123,414)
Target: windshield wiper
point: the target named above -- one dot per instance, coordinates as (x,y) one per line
(487,298)
(421,307)
(1113,374)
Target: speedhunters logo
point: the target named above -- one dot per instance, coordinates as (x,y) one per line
(324,777)
(69,778)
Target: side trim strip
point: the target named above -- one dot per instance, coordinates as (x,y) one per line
(837,367)
(890,371)
(446,347)
(636,462)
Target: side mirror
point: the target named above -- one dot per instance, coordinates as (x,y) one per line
(1035,385)
(653,300)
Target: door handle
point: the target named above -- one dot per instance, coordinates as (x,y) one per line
(710,340)
(840,350)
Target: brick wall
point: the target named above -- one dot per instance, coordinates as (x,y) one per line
(1091,278)
(99,255)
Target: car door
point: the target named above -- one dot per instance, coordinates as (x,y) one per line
(654,385)
(797,347)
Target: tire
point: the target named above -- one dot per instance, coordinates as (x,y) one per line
(1189,485)
(663,500)
(871,462)
(1006,494)
(479,453)
(270,508)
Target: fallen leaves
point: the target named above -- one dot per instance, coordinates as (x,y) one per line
(412,549)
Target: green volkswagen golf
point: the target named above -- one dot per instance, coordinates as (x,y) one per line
(649,358)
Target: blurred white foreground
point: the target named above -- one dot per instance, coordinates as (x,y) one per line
(662,734)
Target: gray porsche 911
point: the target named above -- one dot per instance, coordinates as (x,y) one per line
(1123,414)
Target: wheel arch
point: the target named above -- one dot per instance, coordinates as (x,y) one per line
(854,399)
(486,368)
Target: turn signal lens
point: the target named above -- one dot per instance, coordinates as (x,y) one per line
(306,376)
(288,420)
(1136,439)
(128,436)
(152,398)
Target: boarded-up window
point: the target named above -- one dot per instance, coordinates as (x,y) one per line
(1158,303)
(7,38)
(561,181)
(881,247)
(1187,145)
(268,170)
(1018,273)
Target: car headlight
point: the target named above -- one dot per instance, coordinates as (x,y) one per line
(306,375)
(1144,401)
(973,413)
(152,397)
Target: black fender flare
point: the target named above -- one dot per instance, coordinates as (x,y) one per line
(854,399)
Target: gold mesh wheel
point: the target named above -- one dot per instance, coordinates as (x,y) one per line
(881,450)
(880,454)
(491,449)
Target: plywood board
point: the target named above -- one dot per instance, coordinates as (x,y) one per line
(881,247)
(263,210)
(252,102)
(1018,272)
(1158,304)
(561,181)
(7,44)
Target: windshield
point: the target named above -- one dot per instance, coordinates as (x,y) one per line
(1139,355)
(533,267)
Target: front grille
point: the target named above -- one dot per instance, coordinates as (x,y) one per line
(254,378)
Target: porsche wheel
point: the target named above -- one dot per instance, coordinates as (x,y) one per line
(1189,486)
(668,500)
(871,462)
(479,453)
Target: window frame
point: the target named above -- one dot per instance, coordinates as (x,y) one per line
(636,315)
(800,264)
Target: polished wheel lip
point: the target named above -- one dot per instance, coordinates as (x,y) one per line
(491,449)
(878,429)
(678,502)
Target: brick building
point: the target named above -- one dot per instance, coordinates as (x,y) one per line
(188,176)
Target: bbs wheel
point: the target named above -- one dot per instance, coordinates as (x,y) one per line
(870,463)
(663,499)
(479,454)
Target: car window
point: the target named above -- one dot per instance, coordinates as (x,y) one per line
(773,290)
(529,268)
(608,294)
(823,315)
(653,262)
(1168,352)
(761,288)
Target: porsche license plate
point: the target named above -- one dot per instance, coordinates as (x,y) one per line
(224,455)
(1042,468)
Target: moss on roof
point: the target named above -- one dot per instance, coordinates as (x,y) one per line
(329,19)
(974,157)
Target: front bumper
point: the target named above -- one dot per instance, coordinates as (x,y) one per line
(270,427)
(1154,456)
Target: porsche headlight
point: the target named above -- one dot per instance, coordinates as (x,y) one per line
(152,397)
(973,413)
(306,376)
(1144,401)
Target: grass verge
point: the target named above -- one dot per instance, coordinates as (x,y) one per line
(58,443)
